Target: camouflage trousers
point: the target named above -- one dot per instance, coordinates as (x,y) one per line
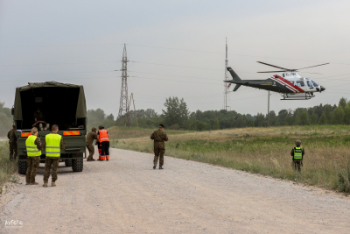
(48,162)
(297,163)
(13,151)
(159,153)
(33,164)
(91,150)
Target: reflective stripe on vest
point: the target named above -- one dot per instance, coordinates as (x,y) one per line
(298,153)
(32,149)
(103,135)
(53,143)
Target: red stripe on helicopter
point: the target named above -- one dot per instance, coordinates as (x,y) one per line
(291,84)
(288,84)
(284,84)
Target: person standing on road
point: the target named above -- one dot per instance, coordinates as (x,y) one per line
(159,136)
(53,145)
(11,135)
(91,136)
(103,139)
(298,155)
(34,147)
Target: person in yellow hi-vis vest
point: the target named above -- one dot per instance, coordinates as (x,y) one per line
(298,155)
(53,145)
(34,147)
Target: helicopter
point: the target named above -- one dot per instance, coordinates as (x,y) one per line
(287,82)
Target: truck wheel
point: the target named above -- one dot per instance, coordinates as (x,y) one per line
(77,164)
(22,167)
(68,162)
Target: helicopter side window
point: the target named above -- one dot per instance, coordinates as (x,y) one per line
(300,83)
(315,84)
(309,83)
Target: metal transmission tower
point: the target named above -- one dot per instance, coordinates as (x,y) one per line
(226,85)
(124,108)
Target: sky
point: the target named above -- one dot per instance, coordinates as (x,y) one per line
(175,49)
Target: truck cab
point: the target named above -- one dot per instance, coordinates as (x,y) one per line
(44,104)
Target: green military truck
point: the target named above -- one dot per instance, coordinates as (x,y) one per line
(57,103)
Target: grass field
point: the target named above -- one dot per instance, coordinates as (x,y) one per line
(7,167)
(125,132)
(259,150)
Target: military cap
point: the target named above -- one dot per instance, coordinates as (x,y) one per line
(100,127)
(161,125)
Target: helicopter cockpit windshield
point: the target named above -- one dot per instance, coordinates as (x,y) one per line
(314,83)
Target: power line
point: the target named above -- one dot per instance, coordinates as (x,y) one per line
(181,49)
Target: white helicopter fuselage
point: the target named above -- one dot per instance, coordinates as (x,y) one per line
(302,87)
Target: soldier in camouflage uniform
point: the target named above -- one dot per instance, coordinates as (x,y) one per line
(11,135)
(54,161)
(159,136)
(91,136)
(33,162)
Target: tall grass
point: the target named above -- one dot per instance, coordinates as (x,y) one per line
(7,167)
(127,132)
(265,151)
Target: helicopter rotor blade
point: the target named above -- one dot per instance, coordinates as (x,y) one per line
(313,66)
(272,71)
(275,66)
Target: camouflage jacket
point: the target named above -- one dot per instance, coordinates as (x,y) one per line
(90,137)
(11,135)
(159,136)
(38,144)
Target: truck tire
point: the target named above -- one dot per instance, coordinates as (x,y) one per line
(22,167)
(68,162)
(77,165)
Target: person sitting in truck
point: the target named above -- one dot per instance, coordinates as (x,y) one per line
(39,119)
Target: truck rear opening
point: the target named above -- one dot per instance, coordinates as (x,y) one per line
(57,105)
(51,103)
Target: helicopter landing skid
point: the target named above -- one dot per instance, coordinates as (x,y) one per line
(297,96)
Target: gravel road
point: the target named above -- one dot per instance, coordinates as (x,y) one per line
(125,195)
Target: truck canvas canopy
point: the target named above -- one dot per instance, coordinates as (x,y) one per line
(61,104)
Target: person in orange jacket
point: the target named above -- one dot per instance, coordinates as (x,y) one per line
(103,139)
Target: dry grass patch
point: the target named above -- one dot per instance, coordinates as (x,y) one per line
(7,167)
(265,151)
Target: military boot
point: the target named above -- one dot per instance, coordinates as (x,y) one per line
(161,168)
(155,166)
(53,184)
(45,184)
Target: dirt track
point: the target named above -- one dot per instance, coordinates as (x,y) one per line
(125,195)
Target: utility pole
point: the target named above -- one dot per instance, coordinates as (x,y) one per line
(133,100)
(226,85)
(268,102)
(124,108)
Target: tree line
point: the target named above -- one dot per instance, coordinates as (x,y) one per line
(6,119)
(176,115)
